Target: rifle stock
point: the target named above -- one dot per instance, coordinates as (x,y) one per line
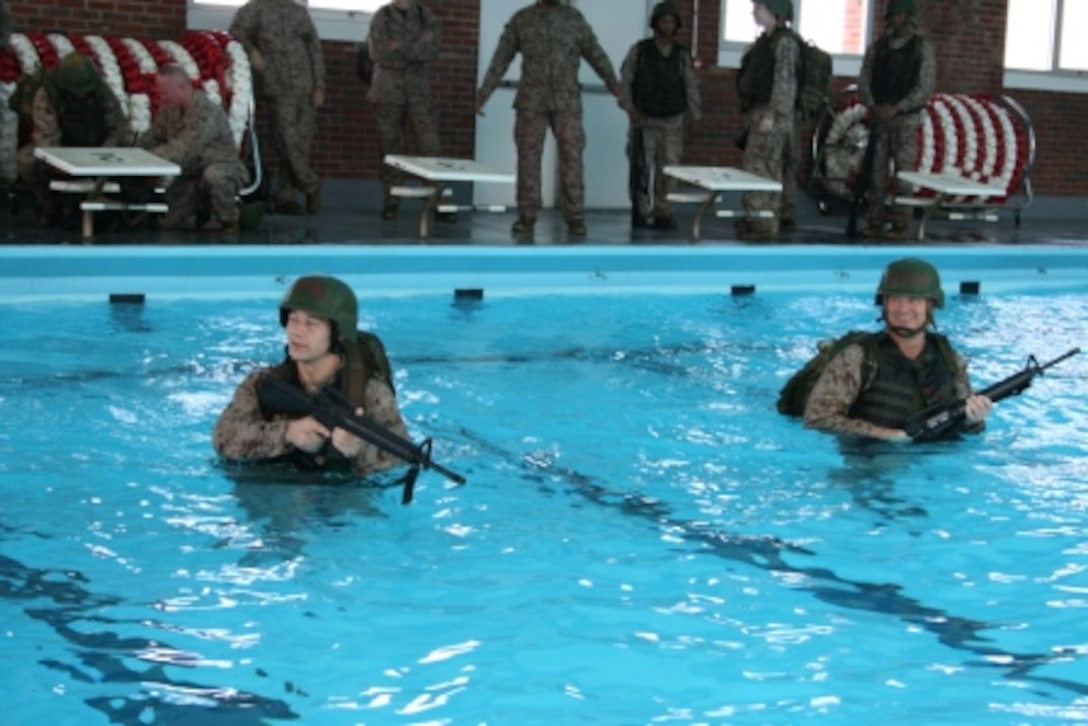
(937,420)
(335,410)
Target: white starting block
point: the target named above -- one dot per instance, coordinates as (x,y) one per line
(97,165)
(715,180)
(440,172)
(946,186)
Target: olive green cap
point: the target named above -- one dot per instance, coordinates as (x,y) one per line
(325,296)
(77,74)
(912,277)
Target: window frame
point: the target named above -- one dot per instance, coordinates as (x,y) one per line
(332,25)
(730,53)
(1055,79)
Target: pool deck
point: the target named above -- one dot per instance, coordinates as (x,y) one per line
(478,253)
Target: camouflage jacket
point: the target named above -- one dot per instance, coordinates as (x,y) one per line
(285,35)
(47,126)
(916,100)
(402,45)
(193,137)
(552,41)
(839,386)
(242,432)
(783,103)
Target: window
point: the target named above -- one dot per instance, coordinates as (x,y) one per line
(841,27)
(335,19)
(1043,45)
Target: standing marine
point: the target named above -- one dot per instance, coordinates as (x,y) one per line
(898,75)
(660,95)
(552,38)
(289,71)
(767,88)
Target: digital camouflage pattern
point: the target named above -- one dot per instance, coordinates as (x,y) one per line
(842,382)
(774,154)
(402,46)
(199,140)
(552,40)
(286,37)
(242,433)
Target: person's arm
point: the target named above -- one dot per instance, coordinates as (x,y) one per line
(505,51)
(119,130)
(243,433)
(919,95)
(691,87)
(784,91)
(598,60)
(978,407)
(836,390)
(429,44)
(627,81)
(46,126)
(381,407)
(244,26)
(865,78)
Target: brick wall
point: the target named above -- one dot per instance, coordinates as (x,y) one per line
(969,35)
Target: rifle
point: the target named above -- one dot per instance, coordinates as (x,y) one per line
(936,420)
(637,183)
(335,410)
(865,175)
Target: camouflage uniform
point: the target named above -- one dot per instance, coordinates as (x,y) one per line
(552,39)
(402,45)
(840,385)
(243,433)
(662,137)
(899,137)
(50,101)
(774,154)
(285,35)
(199,140)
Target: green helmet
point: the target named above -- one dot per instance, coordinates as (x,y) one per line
(325,296)
(913,277)
(909,7)
(781,8)
(665,8)
(76,74)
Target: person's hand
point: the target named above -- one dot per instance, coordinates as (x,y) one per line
(318,97)
(307,434)
(615,88)
(636,118)
(481,101)
(766,124)
(256,60)
(346,442)
(977,408)
(883,113)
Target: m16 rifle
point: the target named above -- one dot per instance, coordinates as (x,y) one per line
(335,410)
(938,419)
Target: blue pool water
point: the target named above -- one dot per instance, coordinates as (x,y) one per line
(641,539)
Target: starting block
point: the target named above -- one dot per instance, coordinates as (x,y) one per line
(715,180)
(946,186)
(439,172)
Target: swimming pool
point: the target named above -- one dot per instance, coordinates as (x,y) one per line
(641,538)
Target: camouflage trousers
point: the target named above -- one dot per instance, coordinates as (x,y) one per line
(293,121)
(393,120)
(214,190)
(662,145)
(772,155)
(897,145)
(530,129)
